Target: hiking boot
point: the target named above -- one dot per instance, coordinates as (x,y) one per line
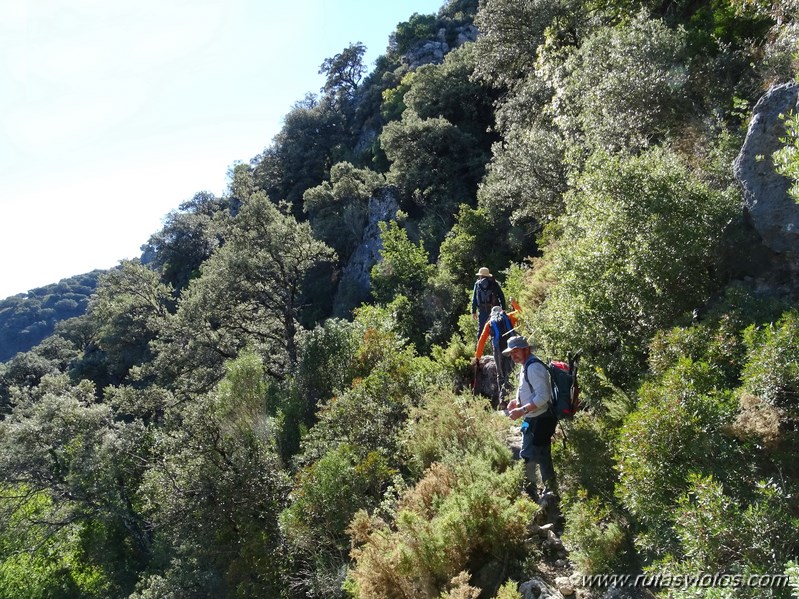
(549,495)
(547,500)
(551,488)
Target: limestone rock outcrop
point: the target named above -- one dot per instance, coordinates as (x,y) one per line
(432,51)
(355,286)
(774,214)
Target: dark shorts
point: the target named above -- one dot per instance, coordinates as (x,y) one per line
(538,433)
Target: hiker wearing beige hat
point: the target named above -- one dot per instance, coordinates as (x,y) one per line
(486,294)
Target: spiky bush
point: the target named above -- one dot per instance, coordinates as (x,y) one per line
(456,518)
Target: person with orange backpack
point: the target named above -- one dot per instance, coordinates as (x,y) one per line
(499,327)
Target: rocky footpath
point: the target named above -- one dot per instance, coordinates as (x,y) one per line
(556,577)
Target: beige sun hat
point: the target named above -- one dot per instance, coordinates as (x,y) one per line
(484,272)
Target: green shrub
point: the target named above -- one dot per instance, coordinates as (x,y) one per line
(436,166)
(185,577)
(472,513)
(393,104)
(326,355)
(643,232)
(731,329)
(460,588)
(772,368)
(452,360)
(38,562)
(337,209)
(785,158)
(585,462)
(214,492)
(623,86)
(417,28)
(723,534)
(719,532)
(792,569)
(471,243)
(721,346)
(378,338)
(743,304)
(327,494)
(509,590)
(676,430)
(597,538)
(448,427)
(388,378)
(368,417)
(705,523)
(325,497)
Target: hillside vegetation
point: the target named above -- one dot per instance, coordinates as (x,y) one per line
(236,415)
(27,319)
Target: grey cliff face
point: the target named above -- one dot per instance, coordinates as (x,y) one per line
(774,214)
(433,51)
(355,284)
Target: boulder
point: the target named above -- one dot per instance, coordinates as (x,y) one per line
(484,379)
(537,588)
(774,214)
(467,33)
(433,51)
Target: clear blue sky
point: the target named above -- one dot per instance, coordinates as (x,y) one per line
(113,113)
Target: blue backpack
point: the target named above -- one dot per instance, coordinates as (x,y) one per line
(500,327)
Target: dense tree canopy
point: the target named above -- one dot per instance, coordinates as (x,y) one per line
(337,209)
(645,236)
(130,309)
(26,319)
(343,72)
(248,294)
(186,240)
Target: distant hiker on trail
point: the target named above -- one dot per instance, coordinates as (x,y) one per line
(486,294)
(532,402)
(498,328)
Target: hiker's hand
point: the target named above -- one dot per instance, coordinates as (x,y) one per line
(474,315)
(517,413)
(476,362)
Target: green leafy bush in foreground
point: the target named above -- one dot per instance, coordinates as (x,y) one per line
(458,517)
(597,536)
(449,427)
